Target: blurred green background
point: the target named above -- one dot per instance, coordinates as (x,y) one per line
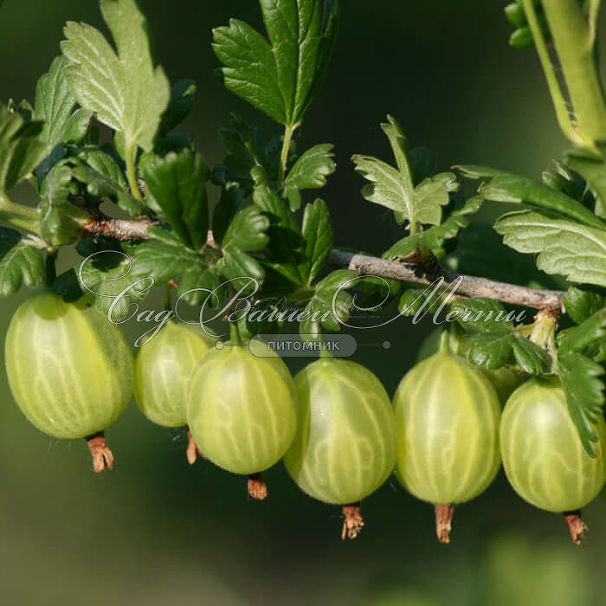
(156,531)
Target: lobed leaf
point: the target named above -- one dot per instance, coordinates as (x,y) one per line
(21,263)
(123,87)
(247,231)
(309,172)
(177,190)
(318,236)
(395,189)
(282,76)
(56,106)
(565,247)
(21,145)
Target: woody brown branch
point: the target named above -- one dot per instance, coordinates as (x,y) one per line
(469,286)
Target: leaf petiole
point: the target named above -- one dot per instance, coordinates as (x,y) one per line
(289,131)
(131,172)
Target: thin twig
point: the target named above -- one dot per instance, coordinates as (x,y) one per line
(469,286)
(120,229)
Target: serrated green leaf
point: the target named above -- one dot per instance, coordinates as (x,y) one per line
(517,189)
(482,315)
(309,172)
(569,182)
(586,336)
(530,358)
(330,304)
(413,300)
(241,268)
(196,284)
(580,304)
(21,263)
(593,171)
(436,237)
(21,145)
(285,252)
(180,106)
(227,207)
(104,178)
(247,231)
(480,252)
(115,283)
(60,220)
(123,88)
(56,106)
(492,341)
(584,391)
(162,261)
(177,190)
(571,249)
(395,189)
(279,77)
(318,236)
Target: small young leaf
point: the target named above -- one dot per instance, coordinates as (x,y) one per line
(571,249)
(196,285)
(177,191)
(413,300)
(20,263)
(21,146)
(330,304)
(593,171)
(241,268)
(584,337)
(227,207)
(247,231)
(61,221)
(104,178)
(161,261)
(395,189)
(285,252)
(435,238)
(55,105)
(180,106)
(492,341)
(123,88)
(309,172)
(318,235)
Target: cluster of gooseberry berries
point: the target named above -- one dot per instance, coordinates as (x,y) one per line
(72,374)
